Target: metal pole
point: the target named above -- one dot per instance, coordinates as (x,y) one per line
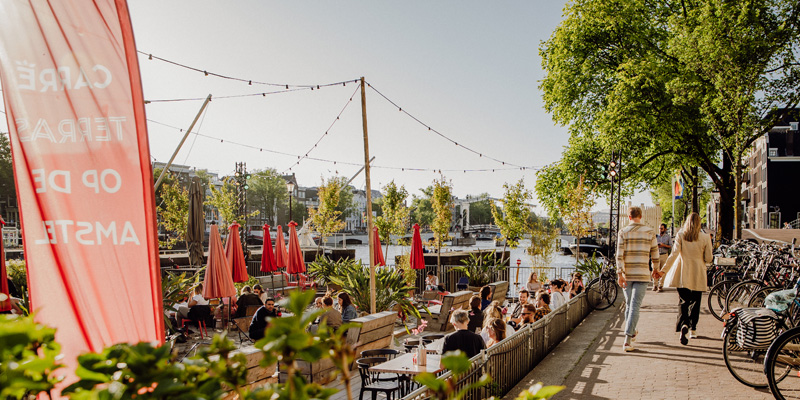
(188,131)
(369,199)
(290,206)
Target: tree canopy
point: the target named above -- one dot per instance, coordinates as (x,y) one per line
(671,84)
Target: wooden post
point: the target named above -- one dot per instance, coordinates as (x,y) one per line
(369,199)
(175,153)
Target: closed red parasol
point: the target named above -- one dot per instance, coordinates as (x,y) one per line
(377,252)
(281,255)
(296,264)
(5,301)
(417,257)
(235,255)
(267,256)
(218,282)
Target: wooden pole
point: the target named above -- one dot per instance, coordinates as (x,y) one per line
(369,199)
(175,153)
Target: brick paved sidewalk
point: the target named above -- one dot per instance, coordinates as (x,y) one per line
(659,368)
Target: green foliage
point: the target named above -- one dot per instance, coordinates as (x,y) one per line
(404,265)
(589,268)
(480,268)
(174,288)
(28,357)
(480,212)
(326,218)
(7,187)
(539,391)
(513,221)
(268,190)
(578,211)
(323,268)
(173,211)
(16,271)
(442,205)
(662,195)
(421,208)
(394,214)
(681,83)
(542,247)
(391,288)
(458,363)
(224,200)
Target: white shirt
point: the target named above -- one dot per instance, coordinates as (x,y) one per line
(557,299)
(200,300)
(431,282)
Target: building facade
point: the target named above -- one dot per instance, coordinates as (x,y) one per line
(769,197)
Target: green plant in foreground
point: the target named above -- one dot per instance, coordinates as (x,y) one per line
(538,391)
(28,357)
(322,269)
(590,268)
(458,363)
(480,268)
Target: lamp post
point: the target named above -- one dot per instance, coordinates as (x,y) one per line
(290,188)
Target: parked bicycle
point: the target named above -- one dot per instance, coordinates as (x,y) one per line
(601,292)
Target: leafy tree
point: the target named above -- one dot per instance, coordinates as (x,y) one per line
(513,221)
(267,190)
(394,216)
(225,201)
(542,248)
(442,205)
(681,83)
(346,205)
(662,195)
(480,212)
(326,218)
(173,211)
(578,212)
(421,208)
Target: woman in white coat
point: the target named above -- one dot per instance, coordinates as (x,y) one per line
(686,270)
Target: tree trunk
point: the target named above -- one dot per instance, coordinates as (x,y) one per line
(737,210)
(695,183)
(726,200)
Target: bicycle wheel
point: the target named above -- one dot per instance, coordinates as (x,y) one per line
(757,299)
(782,365)
(601,294)
(716,298)
(739,294)
(747,366)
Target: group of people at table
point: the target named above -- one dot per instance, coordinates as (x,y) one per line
(256,296)
(486,322)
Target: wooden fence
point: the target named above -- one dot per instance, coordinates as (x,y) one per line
(510,360)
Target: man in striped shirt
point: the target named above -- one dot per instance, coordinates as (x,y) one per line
(636,248)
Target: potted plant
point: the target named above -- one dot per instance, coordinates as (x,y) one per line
(480,269)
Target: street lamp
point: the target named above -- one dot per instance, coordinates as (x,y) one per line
(290,188)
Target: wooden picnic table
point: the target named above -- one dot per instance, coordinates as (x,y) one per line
(404,365)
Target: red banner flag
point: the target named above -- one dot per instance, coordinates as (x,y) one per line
(75,113)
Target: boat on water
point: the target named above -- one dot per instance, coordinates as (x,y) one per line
(589,246)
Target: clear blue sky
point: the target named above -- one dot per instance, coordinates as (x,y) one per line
(468,69)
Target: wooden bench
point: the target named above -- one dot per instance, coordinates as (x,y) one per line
(499,291)
(275,283)
(374,331)
(439,316)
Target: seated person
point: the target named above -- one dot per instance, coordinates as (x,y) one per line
(575,286)
(331,316)
(527,315)
(542,304)
(486,297)
(557,295)
(475,314)
(516,314)
(246,299)
(259,323)
(196,299)
(493,312)
(497,331)
(432,283)
(259,291)
(533,282)
(348,309)
(462,339)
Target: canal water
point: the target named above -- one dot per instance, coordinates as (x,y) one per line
(560,266)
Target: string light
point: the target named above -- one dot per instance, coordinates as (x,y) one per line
(326,131)
(335,162)
(248,81)
(434,130)
(263,94)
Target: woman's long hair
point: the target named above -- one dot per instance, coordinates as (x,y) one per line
(345,300)
(499,327)
(691,228)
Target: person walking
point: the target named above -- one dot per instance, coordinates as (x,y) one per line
(636,247)
(664,240)
(685,269)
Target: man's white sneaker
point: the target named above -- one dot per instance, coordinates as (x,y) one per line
(693,334)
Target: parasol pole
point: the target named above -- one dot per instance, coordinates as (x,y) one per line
(369,199)
(175,153)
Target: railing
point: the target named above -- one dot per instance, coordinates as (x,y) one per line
(449,279)
(510,360)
